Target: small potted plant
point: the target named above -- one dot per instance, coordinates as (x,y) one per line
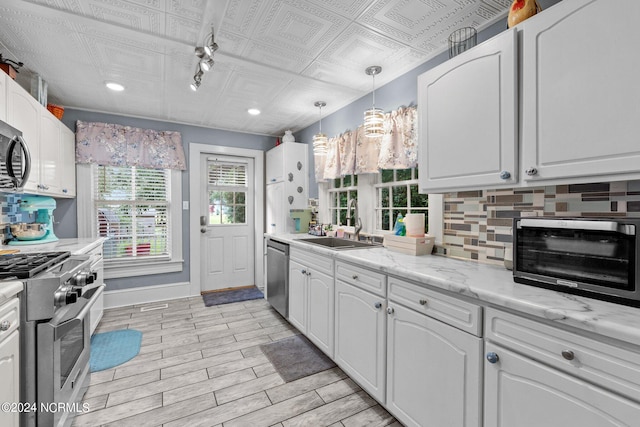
(328,230)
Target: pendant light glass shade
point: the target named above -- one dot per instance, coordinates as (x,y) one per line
(320,139)
(373,117)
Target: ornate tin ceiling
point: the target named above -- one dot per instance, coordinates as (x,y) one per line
(277,55)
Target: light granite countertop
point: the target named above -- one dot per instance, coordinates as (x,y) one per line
(492,285)
(9,290)
(75,246)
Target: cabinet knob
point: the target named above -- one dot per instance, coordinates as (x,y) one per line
(273,180)
(5,325)
(390,310)
(64,190)
(377,305)
(505,175)
(354,277)
(531,171)
(423,302)
(492,357)
(568,354)
(303,271)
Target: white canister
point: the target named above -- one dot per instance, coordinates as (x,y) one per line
(414,225)
(288,137)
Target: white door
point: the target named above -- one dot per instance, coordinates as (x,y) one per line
(227,223)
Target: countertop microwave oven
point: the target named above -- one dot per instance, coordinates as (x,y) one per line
(15,160)
(594,257)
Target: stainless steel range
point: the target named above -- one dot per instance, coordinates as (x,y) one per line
(59,290)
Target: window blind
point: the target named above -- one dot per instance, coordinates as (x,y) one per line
(227,174)
(132,211)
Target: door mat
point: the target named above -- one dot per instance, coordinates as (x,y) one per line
(110,349)
(296,357)
(233,295)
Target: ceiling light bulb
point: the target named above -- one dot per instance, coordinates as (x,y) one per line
(253,111)
(195,85)
(210,48)
(117,87)
(206,64)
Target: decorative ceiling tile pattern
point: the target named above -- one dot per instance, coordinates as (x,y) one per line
(277,55)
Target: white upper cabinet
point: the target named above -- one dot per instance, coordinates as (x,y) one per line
(581,92)
(3,98)
(468,118)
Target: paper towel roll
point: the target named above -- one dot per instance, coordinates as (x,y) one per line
(414,224)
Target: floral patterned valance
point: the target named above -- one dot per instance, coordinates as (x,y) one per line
(354,153)
(117,145)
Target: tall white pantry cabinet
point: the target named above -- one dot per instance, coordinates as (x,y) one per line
(287,185)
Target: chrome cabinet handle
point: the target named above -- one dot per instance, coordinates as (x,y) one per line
(354,277)
(390,310)
(505,175)
(492,357)
(377,305)
(423,302)
(531,171)
(568,354)
(5,325)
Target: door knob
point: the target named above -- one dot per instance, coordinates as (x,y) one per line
(203,230)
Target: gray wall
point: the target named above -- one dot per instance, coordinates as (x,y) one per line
(66,214)
(402,91)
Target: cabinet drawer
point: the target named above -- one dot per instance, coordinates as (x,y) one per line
(363,278)
(312,260)
(10,312)
(452,311)
(609,366)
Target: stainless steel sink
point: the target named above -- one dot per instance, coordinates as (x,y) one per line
(338,243)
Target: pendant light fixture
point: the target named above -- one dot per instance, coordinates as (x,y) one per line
(320,139)
(374,117)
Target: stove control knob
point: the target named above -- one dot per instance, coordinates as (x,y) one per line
(77,290)
(71,298)
(91,277)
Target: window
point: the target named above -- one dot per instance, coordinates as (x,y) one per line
(227,187)
(344,189)
(133,209)
(397,193)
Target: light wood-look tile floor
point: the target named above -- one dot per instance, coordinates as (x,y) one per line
(202,366)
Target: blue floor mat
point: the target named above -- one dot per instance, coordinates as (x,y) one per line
(113,348)
(234,295)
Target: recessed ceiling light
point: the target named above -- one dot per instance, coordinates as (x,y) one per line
(115,86)
(253,111)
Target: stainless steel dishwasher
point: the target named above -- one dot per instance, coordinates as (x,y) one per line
(278,276)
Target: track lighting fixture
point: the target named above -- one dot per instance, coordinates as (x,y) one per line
(205,53)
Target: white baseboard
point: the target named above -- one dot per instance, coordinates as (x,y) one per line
(146,294)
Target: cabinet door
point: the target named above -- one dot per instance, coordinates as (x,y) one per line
(275,164)
(360,337)
(274,213)
(67,161)
(320,310)
(467,119)
(580,91)
(50,154)
(3,96)
(10,374)
(433,371)
(520,392)
(23,113)
(298,295)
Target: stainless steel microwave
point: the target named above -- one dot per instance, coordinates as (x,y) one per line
(598,258)
(15,160)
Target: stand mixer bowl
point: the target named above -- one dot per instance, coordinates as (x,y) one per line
(28,231)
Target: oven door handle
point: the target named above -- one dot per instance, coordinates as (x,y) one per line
(578,225)
(63,328)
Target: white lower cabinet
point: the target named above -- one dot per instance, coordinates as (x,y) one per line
(520,392)
(361,337)
(311,298)
(433,371)
(9,361)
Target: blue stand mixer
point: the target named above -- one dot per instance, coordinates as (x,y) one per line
(41,209)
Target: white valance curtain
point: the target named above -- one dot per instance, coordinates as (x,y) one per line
(109,144)
(354,153)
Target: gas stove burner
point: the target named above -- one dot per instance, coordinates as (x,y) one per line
(27,265)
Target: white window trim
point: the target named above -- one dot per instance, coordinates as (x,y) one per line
(378,184)
(367,202)
(87,227)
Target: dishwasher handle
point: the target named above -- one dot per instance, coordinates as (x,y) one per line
(279,246)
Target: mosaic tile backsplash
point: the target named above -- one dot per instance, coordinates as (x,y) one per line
(478,224)
(10,213)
